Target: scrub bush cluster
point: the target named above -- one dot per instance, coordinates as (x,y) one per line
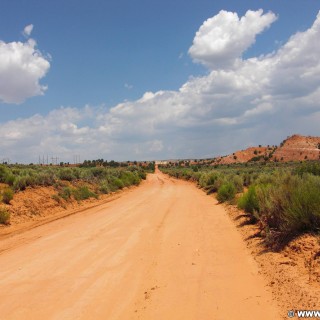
(77,183)
(284,200)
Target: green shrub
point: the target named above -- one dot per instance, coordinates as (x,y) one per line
(115,183)
(7,195)
(86,175)
(20,183)
(218,183)
(30,181)
(208,179)
(226,192)
(129,178)
(83,193)
(76,172)
(65,193)
(104,188)
(45,179)
(97,172)
(4,216)
(302,208)
(265,179)
(249,203)
(3,173)
(238,182)
(313,168)
(66,174)
(247,179)
(143,175)
(290,206)
(9,179)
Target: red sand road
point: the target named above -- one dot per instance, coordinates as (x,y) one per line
(163,250)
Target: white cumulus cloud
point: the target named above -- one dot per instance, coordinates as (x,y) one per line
(223,38)
(22,66)
(27,30)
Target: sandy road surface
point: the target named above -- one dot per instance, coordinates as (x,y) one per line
(161,251)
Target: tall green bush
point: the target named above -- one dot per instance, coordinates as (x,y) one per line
(7,195)
(226,192)
(290,206)
(249,203)
(237,180)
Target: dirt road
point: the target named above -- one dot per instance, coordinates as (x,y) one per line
(163,250)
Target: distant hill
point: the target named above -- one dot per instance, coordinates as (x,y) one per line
(294,148)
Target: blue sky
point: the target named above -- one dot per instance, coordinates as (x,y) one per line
(97,59)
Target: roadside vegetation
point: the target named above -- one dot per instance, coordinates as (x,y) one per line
(71,183)
(4,216)
(282,199)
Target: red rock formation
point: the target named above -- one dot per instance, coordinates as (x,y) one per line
(294,148)
(298,148)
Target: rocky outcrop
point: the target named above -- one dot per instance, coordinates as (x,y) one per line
(298,148)
(294,148)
